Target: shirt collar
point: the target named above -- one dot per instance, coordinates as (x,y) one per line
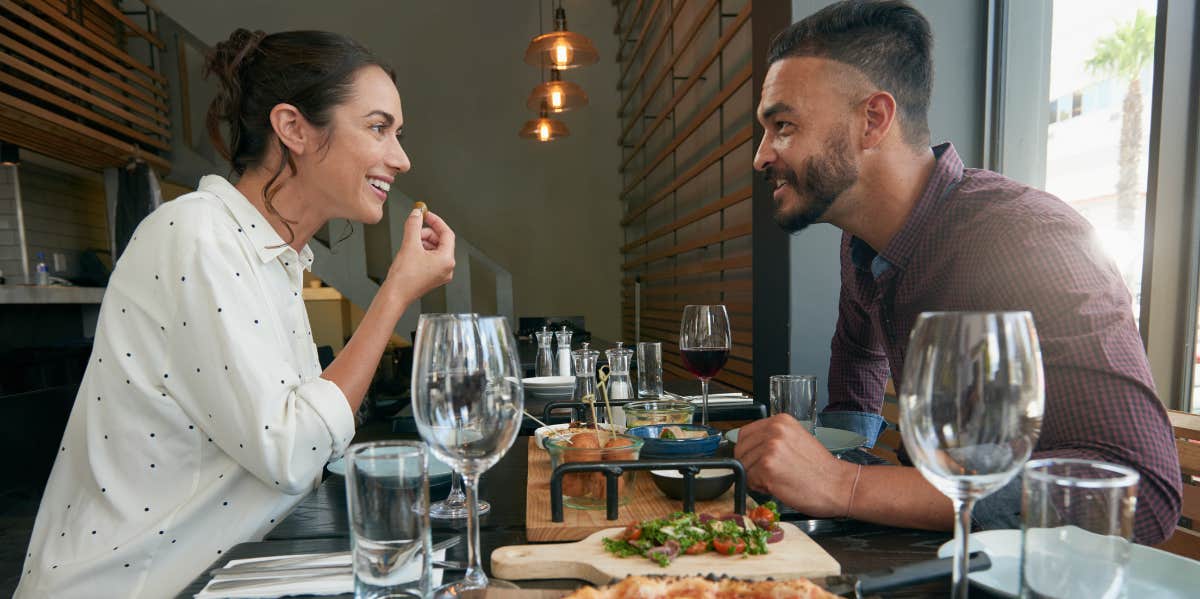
(269,245)
(947,172)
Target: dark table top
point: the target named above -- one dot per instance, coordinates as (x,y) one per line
(319,524)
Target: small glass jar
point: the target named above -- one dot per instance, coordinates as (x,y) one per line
(659,411)
(586,490)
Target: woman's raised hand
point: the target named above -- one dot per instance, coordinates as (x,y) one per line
(426,257)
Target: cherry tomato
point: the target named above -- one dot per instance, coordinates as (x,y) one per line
(633,532)
(762,517)
(728,546)
(697,548)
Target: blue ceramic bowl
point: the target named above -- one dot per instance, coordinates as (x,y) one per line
(656,448)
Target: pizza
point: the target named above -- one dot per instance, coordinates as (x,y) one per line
(700,587)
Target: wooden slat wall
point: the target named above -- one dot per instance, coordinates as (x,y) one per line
(70,90)
(686,115)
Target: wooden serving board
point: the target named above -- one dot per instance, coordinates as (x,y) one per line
(647,502)
(795,556)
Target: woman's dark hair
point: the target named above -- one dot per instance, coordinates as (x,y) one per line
(311,70)
(888,41)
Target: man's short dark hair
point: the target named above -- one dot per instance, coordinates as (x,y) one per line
(888,41)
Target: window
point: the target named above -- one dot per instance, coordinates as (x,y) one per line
(1096,102)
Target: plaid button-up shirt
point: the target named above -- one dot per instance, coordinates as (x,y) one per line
(978,241)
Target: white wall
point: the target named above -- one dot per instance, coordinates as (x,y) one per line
(547,212)
(956,114)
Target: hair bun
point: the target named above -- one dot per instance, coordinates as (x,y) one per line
(226,62)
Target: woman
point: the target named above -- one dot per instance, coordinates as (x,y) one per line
(204,417)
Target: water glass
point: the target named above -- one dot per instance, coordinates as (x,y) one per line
(649,367)
(795,394)
(387,493)
(1076,528)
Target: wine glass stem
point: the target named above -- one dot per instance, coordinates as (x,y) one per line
(456,496)
(704,401)
(962,533)
(475,578)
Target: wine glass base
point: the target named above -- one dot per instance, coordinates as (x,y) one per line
(456,589)
(445,510)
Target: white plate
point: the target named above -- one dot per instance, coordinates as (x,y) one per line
(835,440)
(1152,572)
(437,470)
(539,382)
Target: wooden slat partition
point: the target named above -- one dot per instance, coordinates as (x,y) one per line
(692,79)
(685,174)
(641,39)
(70,91)
(127,22)
(667,70)
(658,42)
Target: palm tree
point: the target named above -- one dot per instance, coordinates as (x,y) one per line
(1125,54)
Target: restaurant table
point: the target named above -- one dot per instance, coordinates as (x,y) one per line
(319,524)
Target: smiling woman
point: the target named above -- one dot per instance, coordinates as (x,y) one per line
(204,415)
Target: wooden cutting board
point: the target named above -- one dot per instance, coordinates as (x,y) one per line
(796,555)
(647,502)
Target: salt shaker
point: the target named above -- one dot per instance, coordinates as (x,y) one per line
(564,351)
(585,381)
(619,383)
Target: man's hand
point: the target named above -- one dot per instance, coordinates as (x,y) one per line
(783,459)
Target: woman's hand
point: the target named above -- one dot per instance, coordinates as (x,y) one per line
(426,257)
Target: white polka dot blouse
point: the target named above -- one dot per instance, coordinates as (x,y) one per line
(202,418)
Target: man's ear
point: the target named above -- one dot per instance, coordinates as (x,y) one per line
(292,128)
(879,110)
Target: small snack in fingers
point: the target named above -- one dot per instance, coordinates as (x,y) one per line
(422,207)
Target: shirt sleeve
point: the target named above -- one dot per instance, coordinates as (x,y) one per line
(227,365)
(1100,401)
(858,365)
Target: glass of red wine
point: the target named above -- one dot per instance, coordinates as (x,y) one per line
(704,343)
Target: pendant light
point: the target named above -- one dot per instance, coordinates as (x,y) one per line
(557,95)
(544,128)
(561,49)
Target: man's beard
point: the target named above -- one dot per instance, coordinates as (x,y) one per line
(827,177)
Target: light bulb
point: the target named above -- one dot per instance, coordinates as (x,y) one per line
(544,131)
(556,98)
(562,53)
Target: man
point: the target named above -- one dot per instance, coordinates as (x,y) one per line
(846,141)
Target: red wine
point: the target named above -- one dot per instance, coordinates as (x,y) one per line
(704,362)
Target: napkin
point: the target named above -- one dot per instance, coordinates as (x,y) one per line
(332,584)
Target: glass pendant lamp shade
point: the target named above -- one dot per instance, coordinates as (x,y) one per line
(561,49)
(557,95)
(544,129)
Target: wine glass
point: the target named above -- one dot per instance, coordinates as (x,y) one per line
(971,408)
(454,506)
(467,401)
(704,343)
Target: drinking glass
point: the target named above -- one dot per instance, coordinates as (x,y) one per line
(649,367)
(387,495)
(1076,528)
(971,408)
(467,402)
(795,394)
(704,343)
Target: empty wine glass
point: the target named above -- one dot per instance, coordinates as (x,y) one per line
(454,506)
(467,401)
(971,408)
(704,343)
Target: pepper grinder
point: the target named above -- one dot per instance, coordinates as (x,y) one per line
(564,351)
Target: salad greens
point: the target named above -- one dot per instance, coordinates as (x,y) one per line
(662,539)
